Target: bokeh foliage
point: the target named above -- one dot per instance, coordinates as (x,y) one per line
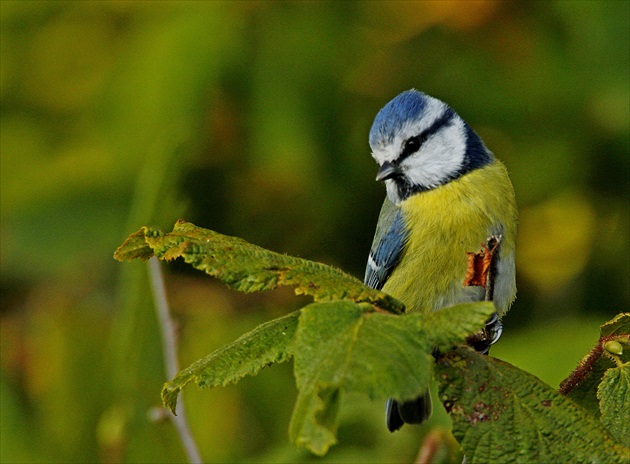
(251,118)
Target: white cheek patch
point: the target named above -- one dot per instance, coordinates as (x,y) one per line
(392,191)
(440,158)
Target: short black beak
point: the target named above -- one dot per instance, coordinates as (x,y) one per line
(387,171)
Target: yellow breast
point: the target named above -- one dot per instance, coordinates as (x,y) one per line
(444,224)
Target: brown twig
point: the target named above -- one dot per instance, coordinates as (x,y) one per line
(586,365)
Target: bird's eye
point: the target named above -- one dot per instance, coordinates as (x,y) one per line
(413,144)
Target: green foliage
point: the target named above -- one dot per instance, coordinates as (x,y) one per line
(249,268)
(342,343)
(502,414)
(620,325)
(584,388)
(345,342)
(600,381)
(614,397)
(269,343)
(345,347)
(613,391)
(117,114)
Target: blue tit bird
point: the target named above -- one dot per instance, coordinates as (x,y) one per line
(446,194)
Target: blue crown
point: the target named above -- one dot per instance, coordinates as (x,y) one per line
(407,106)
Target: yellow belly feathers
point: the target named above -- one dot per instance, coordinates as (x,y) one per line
(447,222)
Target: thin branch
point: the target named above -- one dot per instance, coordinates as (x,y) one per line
(169,347)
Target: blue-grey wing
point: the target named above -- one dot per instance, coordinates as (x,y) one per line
(387,249)
(387,246)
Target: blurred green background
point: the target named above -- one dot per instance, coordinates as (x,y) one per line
(251,118)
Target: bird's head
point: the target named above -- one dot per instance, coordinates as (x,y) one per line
(420,143)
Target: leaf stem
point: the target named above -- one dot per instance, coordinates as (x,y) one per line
(169,347)
(585,366)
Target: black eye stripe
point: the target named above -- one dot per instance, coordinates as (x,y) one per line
(443,120)
(414,143)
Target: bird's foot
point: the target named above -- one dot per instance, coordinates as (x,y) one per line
(483,340)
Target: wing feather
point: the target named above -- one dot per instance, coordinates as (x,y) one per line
(387,246)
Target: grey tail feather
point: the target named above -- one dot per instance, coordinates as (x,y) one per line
(415,411)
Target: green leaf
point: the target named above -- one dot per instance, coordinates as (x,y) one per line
(619,325)
(342,346)
(135,247)
(249,268)
(269,343)
(614,401)
(584,392)
(582,385)
(503,414)
(451,326)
